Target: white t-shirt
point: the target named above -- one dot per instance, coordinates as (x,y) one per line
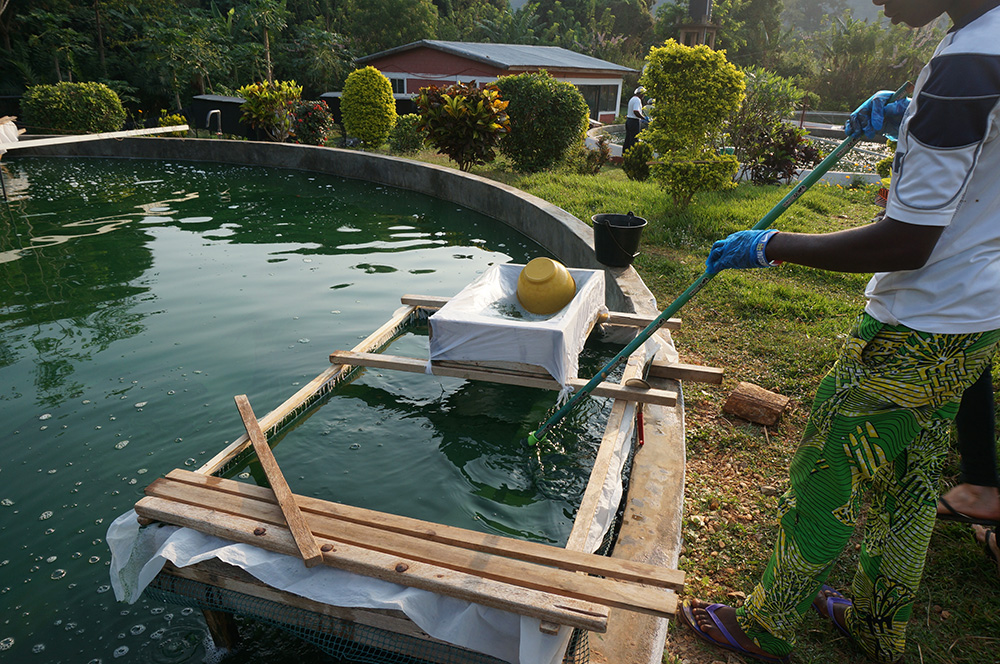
(635,108)
(947,173)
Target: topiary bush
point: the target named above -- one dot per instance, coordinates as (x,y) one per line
(463,121)
(367,106)
(268,107)
(312,122)
(635,162)
(406,137)
(547,118)
(695,89)
(72,108)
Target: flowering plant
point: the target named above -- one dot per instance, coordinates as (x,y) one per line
(312,122)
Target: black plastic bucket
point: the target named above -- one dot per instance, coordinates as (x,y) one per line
(616,238)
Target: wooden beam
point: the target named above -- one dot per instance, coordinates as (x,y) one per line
(606,592)
(455,370)
(308,548)
(692,372)
(534,552)
(613,318)
(395,569)
(81,138)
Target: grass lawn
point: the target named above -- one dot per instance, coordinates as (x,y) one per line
(780,329)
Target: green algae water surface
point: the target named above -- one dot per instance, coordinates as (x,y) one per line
(137,297)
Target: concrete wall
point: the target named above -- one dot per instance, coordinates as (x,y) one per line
(569,239)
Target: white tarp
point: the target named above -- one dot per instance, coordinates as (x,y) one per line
(139,553)
(486,323)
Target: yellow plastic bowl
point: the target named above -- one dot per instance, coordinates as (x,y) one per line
(545,286)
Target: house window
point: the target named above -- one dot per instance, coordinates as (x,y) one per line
(398,86)
(599,98)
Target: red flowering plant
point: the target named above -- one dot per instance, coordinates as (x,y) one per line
(312,122)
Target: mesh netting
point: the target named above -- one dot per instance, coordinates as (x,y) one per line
(337,637)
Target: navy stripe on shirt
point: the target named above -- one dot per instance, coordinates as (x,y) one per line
(955,104)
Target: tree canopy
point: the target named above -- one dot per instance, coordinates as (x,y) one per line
(156,54)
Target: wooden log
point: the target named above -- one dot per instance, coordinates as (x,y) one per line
(613,317)
(523,601)
(455,370)
(754,403)
(308,548)
(222,629)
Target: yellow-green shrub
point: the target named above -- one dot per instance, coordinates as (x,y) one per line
(171,120)
(463,121)
(72,108)
(268,107)
(694,90)
(367,106)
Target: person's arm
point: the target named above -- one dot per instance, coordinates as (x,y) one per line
(884,246)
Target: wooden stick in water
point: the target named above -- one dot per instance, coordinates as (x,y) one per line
(304,540)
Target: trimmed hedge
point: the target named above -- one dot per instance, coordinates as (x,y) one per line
(72,108)
(367,106)
(547,118)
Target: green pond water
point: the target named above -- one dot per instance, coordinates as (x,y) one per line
(137,297)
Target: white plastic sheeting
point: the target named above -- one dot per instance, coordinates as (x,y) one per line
(486,323)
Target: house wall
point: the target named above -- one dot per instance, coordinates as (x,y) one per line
(421,67)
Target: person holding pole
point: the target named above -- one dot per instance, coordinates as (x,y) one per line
(881,418)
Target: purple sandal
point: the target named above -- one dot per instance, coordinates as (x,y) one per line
(833,598)
(687,614)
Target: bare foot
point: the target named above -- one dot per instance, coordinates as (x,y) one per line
(696,613)
(973,501)
(988,538)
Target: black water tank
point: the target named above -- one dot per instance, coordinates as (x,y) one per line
(227,120)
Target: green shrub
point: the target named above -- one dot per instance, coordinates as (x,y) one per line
(463,121)
(635,161)
(884,166)
(783,150)
(268,107)
(171,120)
(547,117)
(683,179)
(767,152)
(406,137)
(695,89)
(72,108)
(586,161)
(312,122)
(367,106)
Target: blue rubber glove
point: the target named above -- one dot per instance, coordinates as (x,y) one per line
(741,250)
(877,116)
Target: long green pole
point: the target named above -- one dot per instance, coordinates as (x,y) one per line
(768,219)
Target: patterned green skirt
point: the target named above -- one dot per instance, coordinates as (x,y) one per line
(879,426)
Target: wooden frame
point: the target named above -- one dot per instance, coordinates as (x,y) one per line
(439,568)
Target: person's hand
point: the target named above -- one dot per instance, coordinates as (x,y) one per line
(741,250)
(877,116)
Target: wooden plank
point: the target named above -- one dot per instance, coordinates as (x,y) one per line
(523,601)
(308,548)
(619,422)
(680,371)
(613,318)
(518,573)
(454,370)
(374,340)
(534,552)
(81,138)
